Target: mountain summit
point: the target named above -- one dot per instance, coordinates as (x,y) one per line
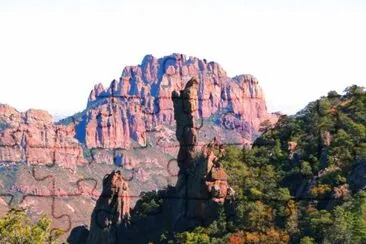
(141,100)
(130,127)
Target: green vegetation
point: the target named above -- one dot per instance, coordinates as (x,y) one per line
(16,227)
(150,204)
(301,182)
(297,183)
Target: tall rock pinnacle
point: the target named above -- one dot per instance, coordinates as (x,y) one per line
(185,112)
(112,208)
(202,182)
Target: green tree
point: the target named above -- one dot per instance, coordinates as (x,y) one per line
(319,222)
(197,237)
(16,227)
(307,240)
(341,229)
(358,210)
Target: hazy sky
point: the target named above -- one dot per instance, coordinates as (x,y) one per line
(53,52)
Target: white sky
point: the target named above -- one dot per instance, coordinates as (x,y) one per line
(53,52)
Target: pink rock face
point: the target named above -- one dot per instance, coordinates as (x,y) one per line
(9,115)
(143,96)
(132,109)
(108,127)
(32,138)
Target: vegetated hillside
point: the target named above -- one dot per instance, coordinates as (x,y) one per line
(302,181)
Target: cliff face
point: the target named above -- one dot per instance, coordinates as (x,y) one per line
(133,109)
(141,99)
(32,138)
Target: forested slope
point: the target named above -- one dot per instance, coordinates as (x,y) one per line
(302,181)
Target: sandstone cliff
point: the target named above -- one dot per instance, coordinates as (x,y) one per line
(32,138)
(137,111)
(141,100)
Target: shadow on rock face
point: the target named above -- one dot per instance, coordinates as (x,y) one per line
(78,235)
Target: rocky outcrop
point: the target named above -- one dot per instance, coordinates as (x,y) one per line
(112,209)
(201,188)
(141,100)
(186,113)
(202,182)
(32,138)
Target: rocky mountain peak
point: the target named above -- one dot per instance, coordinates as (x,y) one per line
(148,88)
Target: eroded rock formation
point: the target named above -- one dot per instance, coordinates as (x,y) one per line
(185,107)
(141,100)
(201,188)
(202,182)
(138,105)
(112,209)
(32,138)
